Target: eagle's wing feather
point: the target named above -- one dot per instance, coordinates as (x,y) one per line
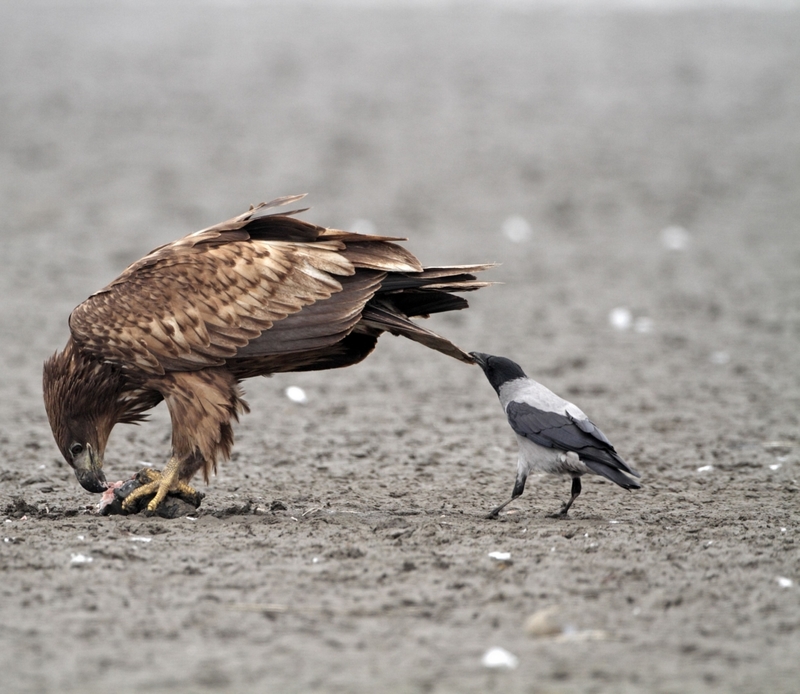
(260,285)
(198,301)
(319,324)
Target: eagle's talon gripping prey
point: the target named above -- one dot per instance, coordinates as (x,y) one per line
(256,295)
(158,485)
(121,499)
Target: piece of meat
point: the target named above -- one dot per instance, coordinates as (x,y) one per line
(108,497)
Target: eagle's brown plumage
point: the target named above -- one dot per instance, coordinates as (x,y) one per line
(259,294)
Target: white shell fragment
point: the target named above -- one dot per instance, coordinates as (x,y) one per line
(80,559)
(620,318)
(499,658)
(675,238)
(705,468)
(784,582)
(517,229)
(297,394)
(500,556)
(571,634)
(139,538)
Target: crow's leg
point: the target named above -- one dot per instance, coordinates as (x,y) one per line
(576,491)
(519,487)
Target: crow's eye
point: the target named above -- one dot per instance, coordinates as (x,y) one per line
(76,449)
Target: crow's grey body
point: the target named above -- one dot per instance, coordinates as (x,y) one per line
(554,435)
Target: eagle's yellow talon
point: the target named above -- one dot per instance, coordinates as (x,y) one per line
(160,483)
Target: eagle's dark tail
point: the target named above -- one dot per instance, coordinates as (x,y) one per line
(403,296)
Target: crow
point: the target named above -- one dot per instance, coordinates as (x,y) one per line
(553,434)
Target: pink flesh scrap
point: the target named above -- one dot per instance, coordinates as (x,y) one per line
(108,495)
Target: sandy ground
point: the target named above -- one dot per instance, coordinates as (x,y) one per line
(344,548)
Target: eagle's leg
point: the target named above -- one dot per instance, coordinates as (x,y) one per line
(201,405)
(576,491)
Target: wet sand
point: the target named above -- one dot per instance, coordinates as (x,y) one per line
(344,548)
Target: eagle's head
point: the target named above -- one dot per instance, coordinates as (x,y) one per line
(79,398)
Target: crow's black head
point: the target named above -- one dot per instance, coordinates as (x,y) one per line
(498,370)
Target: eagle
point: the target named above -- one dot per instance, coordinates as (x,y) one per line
(262,293)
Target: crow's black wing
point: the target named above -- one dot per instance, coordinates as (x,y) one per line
(566,433)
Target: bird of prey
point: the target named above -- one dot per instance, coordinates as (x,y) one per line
(553,434)
(256,295)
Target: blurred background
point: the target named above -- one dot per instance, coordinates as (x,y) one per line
(639,156)
(633,166)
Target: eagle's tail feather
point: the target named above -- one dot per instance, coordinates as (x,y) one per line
(456,278)
(403,295)
(384,317)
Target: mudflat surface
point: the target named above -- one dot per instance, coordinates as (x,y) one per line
(344,548)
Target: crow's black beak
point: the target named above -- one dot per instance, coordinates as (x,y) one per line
(480,358)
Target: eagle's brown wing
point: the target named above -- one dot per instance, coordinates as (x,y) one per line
(198,301)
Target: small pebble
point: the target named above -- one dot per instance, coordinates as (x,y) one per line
(544,623)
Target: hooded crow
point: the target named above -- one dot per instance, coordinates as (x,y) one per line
(554,435)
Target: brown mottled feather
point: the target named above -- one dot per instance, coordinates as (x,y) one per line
(257,294)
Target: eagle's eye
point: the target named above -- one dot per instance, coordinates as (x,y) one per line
(76,449)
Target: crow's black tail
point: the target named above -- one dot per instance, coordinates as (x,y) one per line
(612,473)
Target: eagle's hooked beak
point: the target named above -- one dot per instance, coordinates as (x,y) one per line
(89,471)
